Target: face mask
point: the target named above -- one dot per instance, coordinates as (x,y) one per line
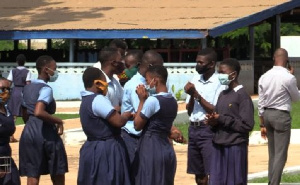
(4,95)
(54,77)
(150,90)
(202,69)
(103,86)
(224,78)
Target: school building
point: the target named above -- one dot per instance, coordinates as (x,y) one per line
(139,21)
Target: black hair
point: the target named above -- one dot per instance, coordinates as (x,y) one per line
(21,59)
(233,64)
(118,43)
(42,61)
(152,57)
(2,78)
(136,54)
(159,71)
(91,74)
(210,53)
(107,54)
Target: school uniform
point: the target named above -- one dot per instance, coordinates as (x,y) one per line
(231,137)
(103,157)
(41,148)
(155,160)
(200,144)
(19,76)
(7,128)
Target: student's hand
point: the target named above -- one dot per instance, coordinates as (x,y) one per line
(190,89)
(141,92)
(176,135)
(212,119)
(263,132)
(128,115)
(118,108)
(60,128)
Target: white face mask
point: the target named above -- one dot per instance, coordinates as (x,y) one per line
(54,77)
(149,89)
(224,78)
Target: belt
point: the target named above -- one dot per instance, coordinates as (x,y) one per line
(197,123)
(265,108)
(19,85)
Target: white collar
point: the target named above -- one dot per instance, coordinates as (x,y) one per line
(238,88)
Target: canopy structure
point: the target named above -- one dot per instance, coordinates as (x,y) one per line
(99,19)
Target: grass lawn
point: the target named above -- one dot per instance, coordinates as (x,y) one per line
(61,116)
(286,178)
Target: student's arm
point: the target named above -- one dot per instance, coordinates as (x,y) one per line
(139,121)
(119,120)
(102,107)
(209,108)
(245,123)
(191,90)
(45,97)
(41,113)
(176,135)
(190,105)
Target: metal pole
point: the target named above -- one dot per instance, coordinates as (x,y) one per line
(251,42)
(277,31)
(204,43)
(71,53)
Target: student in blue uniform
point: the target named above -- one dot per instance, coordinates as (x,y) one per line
(155,160)
(41,148)
(19,76)
(103,157)
(130,101)
(232,121)
(7,128)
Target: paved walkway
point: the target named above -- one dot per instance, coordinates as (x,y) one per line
(258,154)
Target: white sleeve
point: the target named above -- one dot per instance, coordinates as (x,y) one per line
(28,78)
(10,76)
(150,107)
(102,107)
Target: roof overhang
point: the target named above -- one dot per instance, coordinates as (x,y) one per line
(99,19)
(254,19)
(102,34)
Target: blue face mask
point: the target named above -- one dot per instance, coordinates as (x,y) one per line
(224,79)
(54,77)
(150,90)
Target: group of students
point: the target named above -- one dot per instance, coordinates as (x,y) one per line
(129,129)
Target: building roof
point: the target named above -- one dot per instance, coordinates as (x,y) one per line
(132,18)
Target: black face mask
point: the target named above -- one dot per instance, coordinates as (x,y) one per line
(202,69)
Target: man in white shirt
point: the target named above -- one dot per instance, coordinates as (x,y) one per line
(277,89)
(111,63)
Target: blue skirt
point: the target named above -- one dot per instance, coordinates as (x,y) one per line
(155,161)
(41,150)
(15,101)
(104,163)
(229,165)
